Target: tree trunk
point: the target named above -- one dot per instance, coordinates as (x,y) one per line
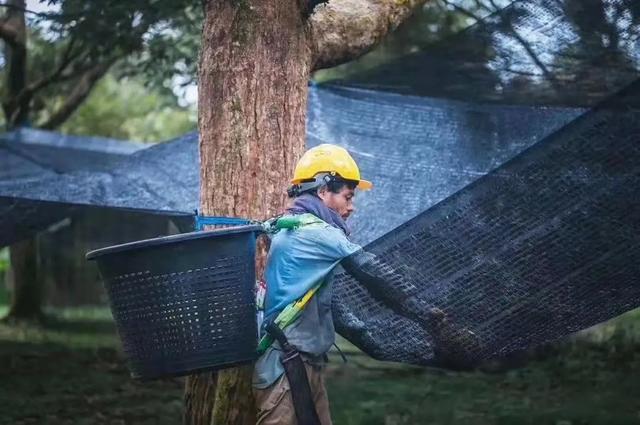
(16,114)
(26,300)
(199,396)
(255,63)
(252,98)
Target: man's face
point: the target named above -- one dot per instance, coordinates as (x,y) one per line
(341,202)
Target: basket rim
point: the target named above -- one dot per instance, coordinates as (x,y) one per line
(172,239)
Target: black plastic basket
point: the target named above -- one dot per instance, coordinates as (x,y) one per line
(183,303)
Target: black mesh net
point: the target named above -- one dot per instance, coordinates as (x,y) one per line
(543,246)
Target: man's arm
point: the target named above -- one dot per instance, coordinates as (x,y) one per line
(455,347)
(387,284)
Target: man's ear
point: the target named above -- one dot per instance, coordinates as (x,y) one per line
(322,192)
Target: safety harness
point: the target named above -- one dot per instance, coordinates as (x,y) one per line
(293,310)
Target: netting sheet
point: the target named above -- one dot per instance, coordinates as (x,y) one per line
(37,158)
(541,247)
(417,151)
(450,144)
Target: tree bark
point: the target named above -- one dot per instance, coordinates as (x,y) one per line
(199,396)
(255,63)
(26,300)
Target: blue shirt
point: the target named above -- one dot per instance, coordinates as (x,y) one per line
(298,259)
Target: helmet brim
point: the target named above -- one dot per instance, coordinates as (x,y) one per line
(364,185)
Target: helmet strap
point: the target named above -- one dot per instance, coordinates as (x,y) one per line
(318,181)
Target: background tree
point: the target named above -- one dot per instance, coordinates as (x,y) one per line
(255,64)
(128,109)
(53,59)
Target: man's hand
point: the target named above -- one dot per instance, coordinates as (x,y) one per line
(455,347)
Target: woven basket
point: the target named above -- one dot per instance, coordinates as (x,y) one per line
(183,303)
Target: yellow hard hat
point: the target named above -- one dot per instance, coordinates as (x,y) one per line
(328,158)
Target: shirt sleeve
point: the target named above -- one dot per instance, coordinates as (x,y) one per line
(331,243)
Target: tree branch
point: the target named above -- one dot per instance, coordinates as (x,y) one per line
(79,93)
(90,76)
(55,76)
(342,30)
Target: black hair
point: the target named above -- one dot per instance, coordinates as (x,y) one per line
(335,185)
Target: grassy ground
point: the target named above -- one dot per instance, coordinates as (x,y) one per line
(70,371)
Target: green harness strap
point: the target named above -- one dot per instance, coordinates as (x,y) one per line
(293,310)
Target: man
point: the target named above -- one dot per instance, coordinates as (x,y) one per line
(310,240)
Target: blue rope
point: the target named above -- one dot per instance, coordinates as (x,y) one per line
(201,220)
